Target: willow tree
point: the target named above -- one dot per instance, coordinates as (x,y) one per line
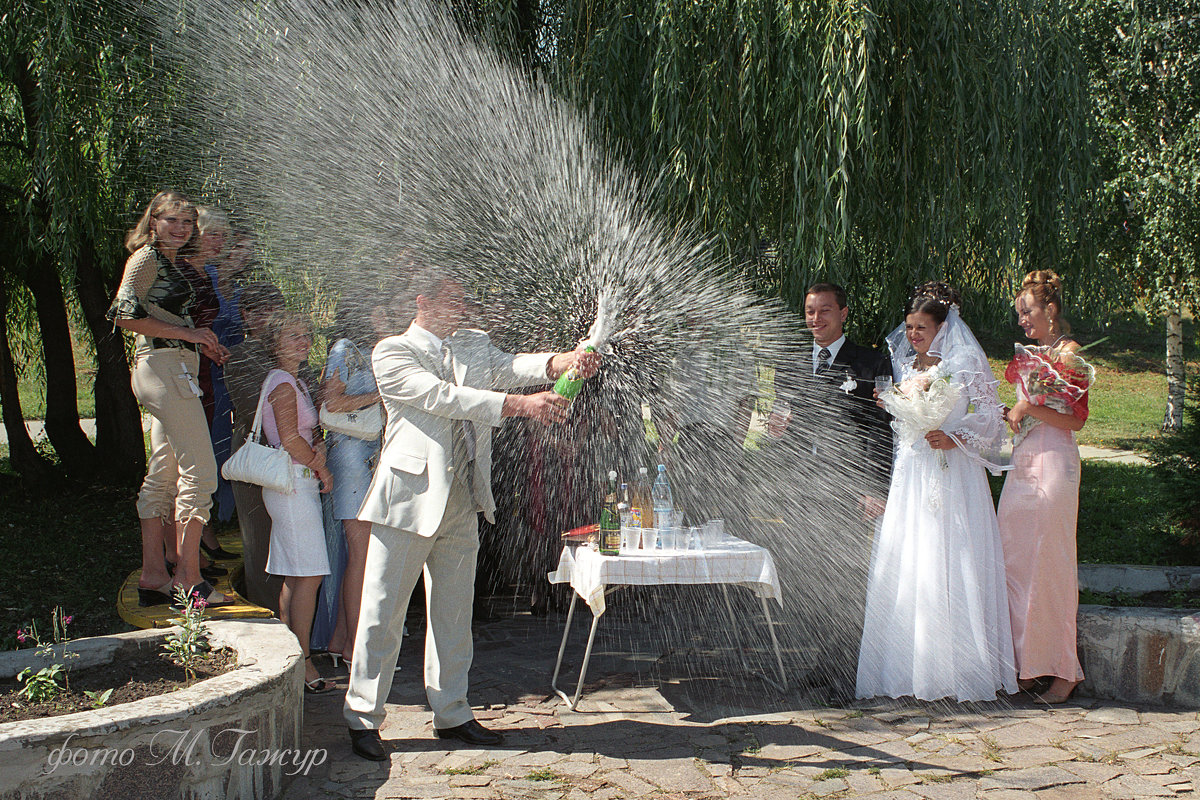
(875,144)
(76,107)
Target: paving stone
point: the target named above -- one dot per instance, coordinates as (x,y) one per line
(1022,734)
(1029,779)
(897,777)
(827,787)
(955,790)
(1006,794)
(1094,773)
(1134,786)
(1114,715)
(1035,756)
(470,780)
(629,783)
(676,775)
(861,782)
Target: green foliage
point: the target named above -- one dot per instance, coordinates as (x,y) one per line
(1143,62)
(99,698)
(41,685)
(873,144)
(1176,471)
(188,643)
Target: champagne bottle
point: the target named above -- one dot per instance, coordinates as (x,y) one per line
(610,519)
(571,382)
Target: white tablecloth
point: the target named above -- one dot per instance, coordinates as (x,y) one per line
(731,560)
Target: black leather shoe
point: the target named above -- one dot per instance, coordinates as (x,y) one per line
(367,744)
(470,732)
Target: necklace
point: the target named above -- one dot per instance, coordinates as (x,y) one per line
(1054,344)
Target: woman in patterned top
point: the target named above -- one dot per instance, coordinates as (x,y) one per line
(154,301)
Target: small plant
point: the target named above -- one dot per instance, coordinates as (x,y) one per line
(855,714)
(189,643)
(829,774)
(43,685)
(99,699)
(873,770)
(991,749)
(474,769)
(542,775)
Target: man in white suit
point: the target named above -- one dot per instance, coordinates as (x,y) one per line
(442,387)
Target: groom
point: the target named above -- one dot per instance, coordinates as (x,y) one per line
(443,389)
(837,376)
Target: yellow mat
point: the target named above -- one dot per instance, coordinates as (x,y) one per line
(161,616)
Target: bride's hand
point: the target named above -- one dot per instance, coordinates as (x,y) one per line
(940,441)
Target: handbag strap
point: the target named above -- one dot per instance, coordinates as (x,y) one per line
(256,428)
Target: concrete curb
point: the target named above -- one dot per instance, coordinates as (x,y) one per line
(1141,655)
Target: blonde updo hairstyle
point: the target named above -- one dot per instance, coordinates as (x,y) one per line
(1045,287)
(142,233)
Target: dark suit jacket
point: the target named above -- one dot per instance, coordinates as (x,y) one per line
(872,433)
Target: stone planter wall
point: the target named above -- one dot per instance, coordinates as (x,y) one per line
(232,737)
(1140,655)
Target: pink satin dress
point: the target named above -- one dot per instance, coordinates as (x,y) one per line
(1038,511)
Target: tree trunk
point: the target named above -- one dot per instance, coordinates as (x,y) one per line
(1176,378)
(120,444)
(26,461)
(75,450)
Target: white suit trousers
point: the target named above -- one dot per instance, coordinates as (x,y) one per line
(395,560)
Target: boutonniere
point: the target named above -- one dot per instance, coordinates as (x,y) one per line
(849,385)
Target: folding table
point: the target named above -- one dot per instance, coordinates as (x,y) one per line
(730,560)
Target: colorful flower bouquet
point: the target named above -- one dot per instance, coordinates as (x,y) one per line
(1056,379)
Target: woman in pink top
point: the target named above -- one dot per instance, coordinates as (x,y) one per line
(297,549)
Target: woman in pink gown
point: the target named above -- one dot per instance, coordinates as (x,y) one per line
(1040,502)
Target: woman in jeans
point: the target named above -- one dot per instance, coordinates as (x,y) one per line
(289,421)
(154,301)
(349,385)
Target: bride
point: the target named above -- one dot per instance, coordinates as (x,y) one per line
(936,621)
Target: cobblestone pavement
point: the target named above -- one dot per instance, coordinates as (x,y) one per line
(676,720)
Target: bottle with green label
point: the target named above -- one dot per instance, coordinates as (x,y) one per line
(571,382)
(610,519)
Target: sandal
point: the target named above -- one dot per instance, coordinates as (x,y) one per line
(212,597)
(317,685)
(155,597)
(1054,696)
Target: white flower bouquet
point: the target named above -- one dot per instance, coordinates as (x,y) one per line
(920,404)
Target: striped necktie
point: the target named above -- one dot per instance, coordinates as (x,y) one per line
(463,455)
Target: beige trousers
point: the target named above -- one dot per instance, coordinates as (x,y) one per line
(395,560)
(182,474)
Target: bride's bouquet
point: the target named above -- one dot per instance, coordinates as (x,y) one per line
(920,404)
(1058,380)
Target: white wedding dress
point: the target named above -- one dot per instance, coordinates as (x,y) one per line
(937,622)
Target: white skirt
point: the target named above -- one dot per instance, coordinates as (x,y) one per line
(297,528)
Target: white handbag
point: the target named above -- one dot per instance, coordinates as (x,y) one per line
(269,467)
(363,423)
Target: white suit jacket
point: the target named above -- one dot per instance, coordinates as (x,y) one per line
(412,483)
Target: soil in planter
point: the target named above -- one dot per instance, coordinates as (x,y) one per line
(136,673)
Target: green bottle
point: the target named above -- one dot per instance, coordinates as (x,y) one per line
(610,519)
(570,382)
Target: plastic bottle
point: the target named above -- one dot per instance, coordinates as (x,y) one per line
(664,501)
(641,508)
